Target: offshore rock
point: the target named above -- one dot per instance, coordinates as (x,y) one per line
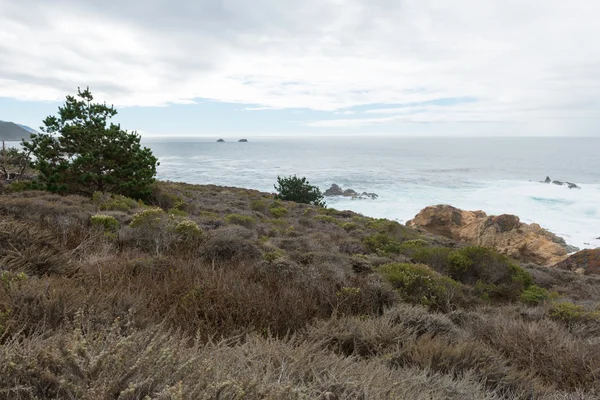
(505,233)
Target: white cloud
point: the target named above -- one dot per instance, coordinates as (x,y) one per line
(530,61)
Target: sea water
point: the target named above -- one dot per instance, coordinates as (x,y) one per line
(496,175)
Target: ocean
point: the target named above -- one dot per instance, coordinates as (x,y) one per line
(496,175)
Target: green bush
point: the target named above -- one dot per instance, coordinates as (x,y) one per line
(258,205)
(382,244)
(177,212)
(273,255)
(568,312)
(278,212)
(105,222)
(148,217)
(188,229)
(419,284)
(242,220)
(299,190)
(326,218)
(534,295)
(112,202)
(350,226)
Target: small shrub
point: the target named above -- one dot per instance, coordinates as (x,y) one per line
(382,244)
(258,205)
(350,226)
(273,255)
(112,202)
(177,212)
(106,222)
(188,228)
(148,217)
(242,220)
(326,218)
(534,295)
(569,313)
(278,212)
(418,284)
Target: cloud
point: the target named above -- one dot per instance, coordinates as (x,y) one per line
(522,61)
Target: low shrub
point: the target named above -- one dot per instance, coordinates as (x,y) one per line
(242,220)
(230,244)
(383,244)
(570,313)
(534,295)
(112,202)
(105,222)
(278,212)
(259,205)
(419,284)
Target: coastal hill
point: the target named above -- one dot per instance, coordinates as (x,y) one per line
(10,131)
(221,292)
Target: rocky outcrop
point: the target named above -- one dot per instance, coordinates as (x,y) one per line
(220,141)
(336,190)
(243,141)
(583,262)
(571,185)
(505,233)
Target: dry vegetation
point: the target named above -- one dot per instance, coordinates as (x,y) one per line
(225,293)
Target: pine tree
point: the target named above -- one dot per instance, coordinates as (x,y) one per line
(80,151)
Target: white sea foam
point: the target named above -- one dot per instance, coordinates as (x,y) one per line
(570,213)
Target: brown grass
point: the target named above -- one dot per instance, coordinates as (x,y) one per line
(281,308)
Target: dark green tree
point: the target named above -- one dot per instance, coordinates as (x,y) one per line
(81,151)
(299,190)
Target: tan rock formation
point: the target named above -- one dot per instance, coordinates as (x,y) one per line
(505,233)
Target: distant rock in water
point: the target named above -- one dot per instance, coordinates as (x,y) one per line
(570,184)
(243,140)
(584,262)
(505,233)
(336,190)
(220,141)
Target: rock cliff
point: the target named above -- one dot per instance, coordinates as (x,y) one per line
(583,262)
(505,233)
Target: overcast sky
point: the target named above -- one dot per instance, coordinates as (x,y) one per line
(405,67)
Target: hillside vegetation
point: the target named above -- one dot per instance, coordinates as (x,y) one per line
(210,292)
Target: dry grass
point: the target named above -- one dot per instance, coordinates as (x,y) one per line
(195,303)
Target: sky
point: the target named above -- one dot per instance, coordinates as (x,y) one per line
(310,67)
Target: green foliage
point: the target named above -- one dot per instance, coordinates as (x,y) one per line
(14,163)
(534,295)
(113,202)
(381,243)
(177,212)
(237,219)
(258,205)
(148,217)
(80,152)
(327,218)
(459,262)
(418,284)
(188,229)
(105,222)
(299,190)
(278,212)
(273,255)
(350,226)
(571,313)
